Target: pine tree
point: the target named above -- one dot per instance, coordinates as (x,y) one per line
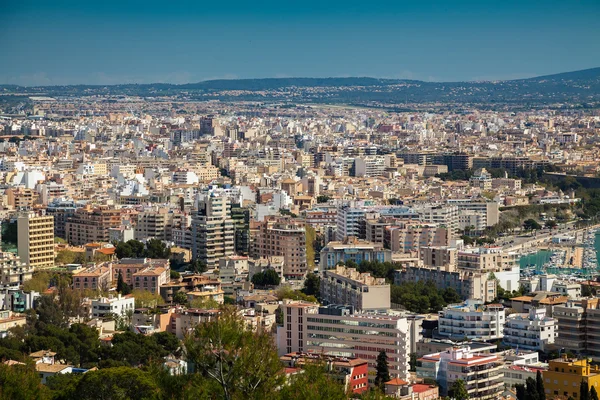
(520,391)
(458,390)
(584,391)
(593,394)
(539,383)
(531,389)
(383,370)
(122,287)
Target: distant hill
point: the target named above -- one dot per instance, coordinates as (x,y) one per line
(578,88)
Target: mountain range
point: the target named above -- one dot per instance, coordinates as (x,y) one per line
(578,88)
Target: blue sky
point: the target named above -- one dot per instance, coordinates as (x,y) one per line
(46,42)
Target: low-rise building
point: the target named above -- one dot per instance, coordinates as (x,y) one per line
(360,290)
(120,306)
(564,376)
(352,249)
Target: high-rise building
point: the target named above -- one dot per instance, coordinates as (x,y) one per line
(282,236)
(35,235)
(213,232)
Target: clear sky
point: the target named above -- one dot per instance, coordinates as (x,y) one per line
(46,42)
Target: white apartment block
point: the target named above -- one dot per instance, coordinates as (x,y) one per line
(482,373)
(360,290)
(335,330)
(532,331)
(119,305)
(348,222)
(472,320)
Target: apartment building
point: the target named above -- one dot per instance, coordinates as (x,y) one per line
(407,237)
(98,277)
(489,210)
(276,236)
(441,256)
(532,331)
(488,259)
(352,249)
(482,373)
(571,324)
(564,376)
(469,285)
(88,225)
(35,235)
(13,273)
(472,320)
(154,223)
(120,306)
(339,331)
(360,290)
(348,221)
(213,232)
(369,166)
(441,215)
(61,211)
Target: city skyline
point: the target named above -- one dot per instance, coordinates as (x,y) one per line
(68,42)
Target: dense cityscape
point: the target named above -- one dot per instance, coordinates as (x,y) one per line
(313,200)
(325,248)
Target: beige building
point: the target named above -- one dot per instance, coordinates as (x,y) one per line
(98,277)
(277,236)
(35,235)
(12,271)
(89,225)
(411,236)
(154,223)
(361,290)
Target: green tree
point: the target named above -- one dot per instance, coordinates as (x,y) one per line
(124,250)
(539,384)
(593,394)
(38,283)
(115,383)
(197,267)
(145,298)
(521,392)
(156,248)
(531,225)
(323,198)
(122,287)
(312,285)
(268,277)
(551,224)
(313,383)
(243,363)
(383,370)
(458,390)
(21,382)
(180,298)
(174,274)
(584,391)
(531,392)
